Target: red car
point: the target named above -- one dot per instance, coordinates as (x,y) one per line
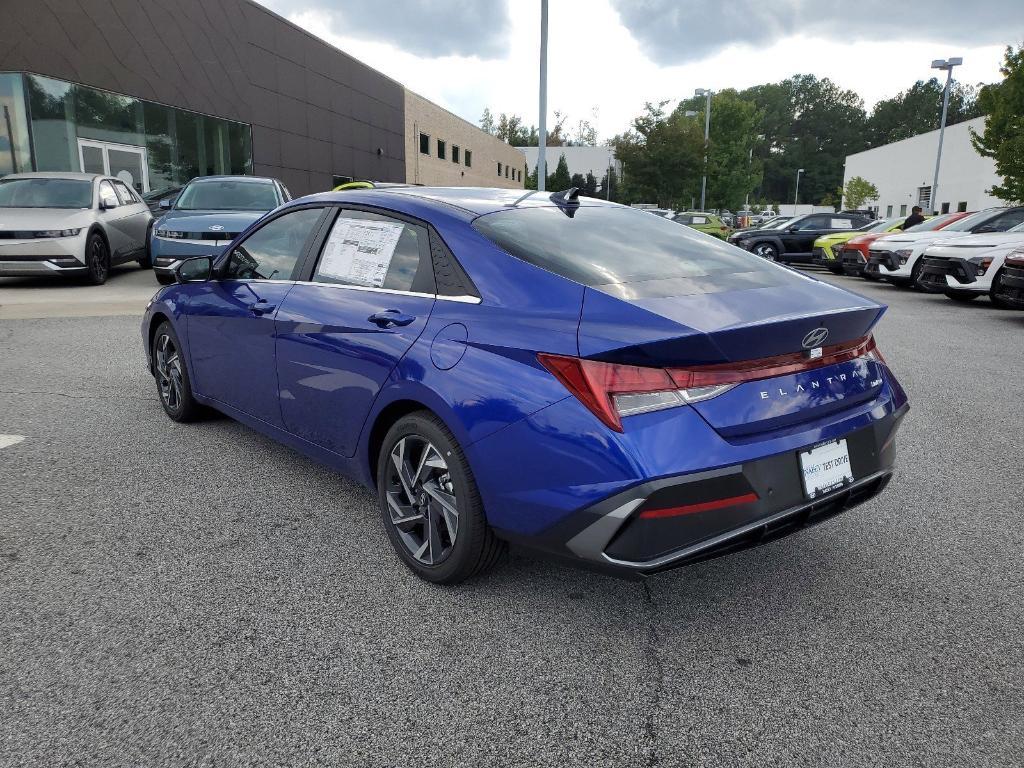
(853,254)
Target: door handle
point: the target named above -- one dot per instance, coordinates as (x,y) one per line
(262,307)
(389,318)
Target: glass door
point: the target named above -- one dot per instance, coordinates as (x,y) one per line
(124,161)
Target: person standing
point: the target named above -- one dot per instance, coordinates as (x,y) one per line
(915,217)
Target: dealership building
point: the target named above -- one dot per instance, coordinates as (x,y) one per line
(903,172)
(158,93)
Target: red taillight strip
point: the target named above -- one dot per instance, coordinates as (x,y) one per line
(704,506)
(769,367)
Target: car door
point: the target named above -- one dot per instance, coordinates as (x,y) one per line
(230,319)
(136,220)
(116,221)
(800,239)
(342,332)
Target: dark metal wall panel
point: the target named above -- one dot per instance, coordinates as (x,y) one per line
(315,110)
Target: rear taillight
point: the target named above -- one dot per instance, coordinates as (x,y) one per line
(612,390)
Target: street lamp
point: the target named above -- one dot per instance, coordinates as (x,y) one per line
(706,92)
(796,194)
(945,65)
(542,166)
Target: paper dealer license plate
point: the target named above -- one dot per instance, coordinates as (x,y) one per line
(825,468)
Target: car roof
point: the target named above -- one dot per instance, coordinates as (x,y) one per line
(473,200)
(58,175)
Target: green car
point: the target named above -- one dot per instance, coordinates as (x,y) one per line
(707,223)
(826,248)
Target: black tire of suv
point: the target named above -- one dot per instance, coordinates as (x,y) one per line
(97,259)
(476,549)
(996,285)
(767,251)
(186,409)
(146,262)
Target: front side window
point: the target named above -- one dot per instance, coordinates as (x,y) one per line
(228,195)
(124,194)
(273,251)
(45,193)
(107,195)
(812,223)
(1003,222)
(374,251)
(624,251)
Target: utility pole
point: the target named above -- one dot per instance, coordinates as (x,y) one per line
(706,92)
(542,168)
(947,66)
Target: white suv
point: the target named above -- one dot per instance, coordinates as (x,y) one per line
(968,267)
(896,257)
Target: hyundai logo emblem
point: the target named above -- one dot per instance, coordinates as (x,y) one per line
(218,228)
(815,338)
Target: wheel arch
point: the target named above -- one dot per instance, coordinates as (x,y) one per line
(97,229)
(159,317)
(386,418)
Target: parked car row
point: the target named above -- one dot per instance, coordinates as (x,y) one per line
(961,255)
(82,224)
(792,240)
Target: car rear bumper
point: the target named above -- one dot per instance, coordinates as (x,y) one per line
(579,491)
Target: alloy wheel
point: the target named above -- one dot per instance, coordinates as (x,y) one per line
(765,251)
(421,500)
(168,372)
(97,260)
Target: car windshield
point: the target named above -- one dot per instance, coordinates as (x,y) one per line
(935,222)
(45,193)
(777,223)
(611,246)
(879,226)
(227,195)
(969,222)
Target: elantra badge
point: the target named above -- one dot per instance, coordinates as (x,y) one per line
(218,228)
(815,338)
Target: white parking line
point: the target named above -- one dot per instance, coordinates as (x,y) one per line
(6,441)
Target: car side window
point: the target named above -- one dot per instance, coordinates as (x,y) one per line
(273,251)
(376,251)
(107,195)
(124,194)
(813,222)
(1003,222)
(840,224)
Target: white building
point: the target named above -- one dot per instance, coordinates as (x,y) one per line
(903,172)
(580,160)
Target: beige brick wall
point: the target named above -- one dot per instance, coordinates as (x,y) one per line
(422,116)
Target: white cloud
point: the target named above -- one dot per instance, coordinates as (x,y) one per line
(594,61)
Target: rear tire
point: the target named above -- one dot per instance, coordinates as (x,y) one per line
(766,251)
(430,504)
(97,259)
(173,386)
(146,262)
(962,296)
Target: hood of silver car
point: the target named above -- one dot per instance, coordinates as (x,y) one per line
(45,218)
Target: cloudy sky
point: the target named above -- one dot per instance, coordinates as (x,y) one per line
(607,57)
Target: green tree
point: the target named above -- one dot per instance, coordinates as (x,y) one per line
(1003,137)
(560,179)
(531,178)
(732,171)
(857,191)
(919,110)
(578,181)
(590,185)
(662,157)
(487,121)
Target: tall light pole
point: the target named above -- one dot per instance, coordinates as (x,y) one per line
(946,65)
(796,194)
(706,92)
(542,167)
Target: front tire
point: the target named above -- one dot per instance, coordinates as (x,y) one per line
(173,386)
(97,259)
(430,504)
(146,262)
(766,251)
(997,284)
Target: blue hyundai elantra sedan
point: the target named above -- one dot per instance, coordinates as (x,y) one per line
(546,369)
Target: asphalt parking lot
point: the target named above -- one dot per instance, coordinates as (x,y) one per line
(197,595)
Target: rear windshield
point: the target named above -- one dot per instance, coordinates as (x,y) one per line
(45,193)
(227,195)
(644,255)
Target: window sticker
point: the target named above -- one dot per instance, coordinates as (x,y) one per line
(842,224)
(359,251)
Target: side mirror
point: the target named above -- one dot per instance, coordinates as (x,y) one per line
(167,202)
(107,203)
(792,229)
(197,269)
